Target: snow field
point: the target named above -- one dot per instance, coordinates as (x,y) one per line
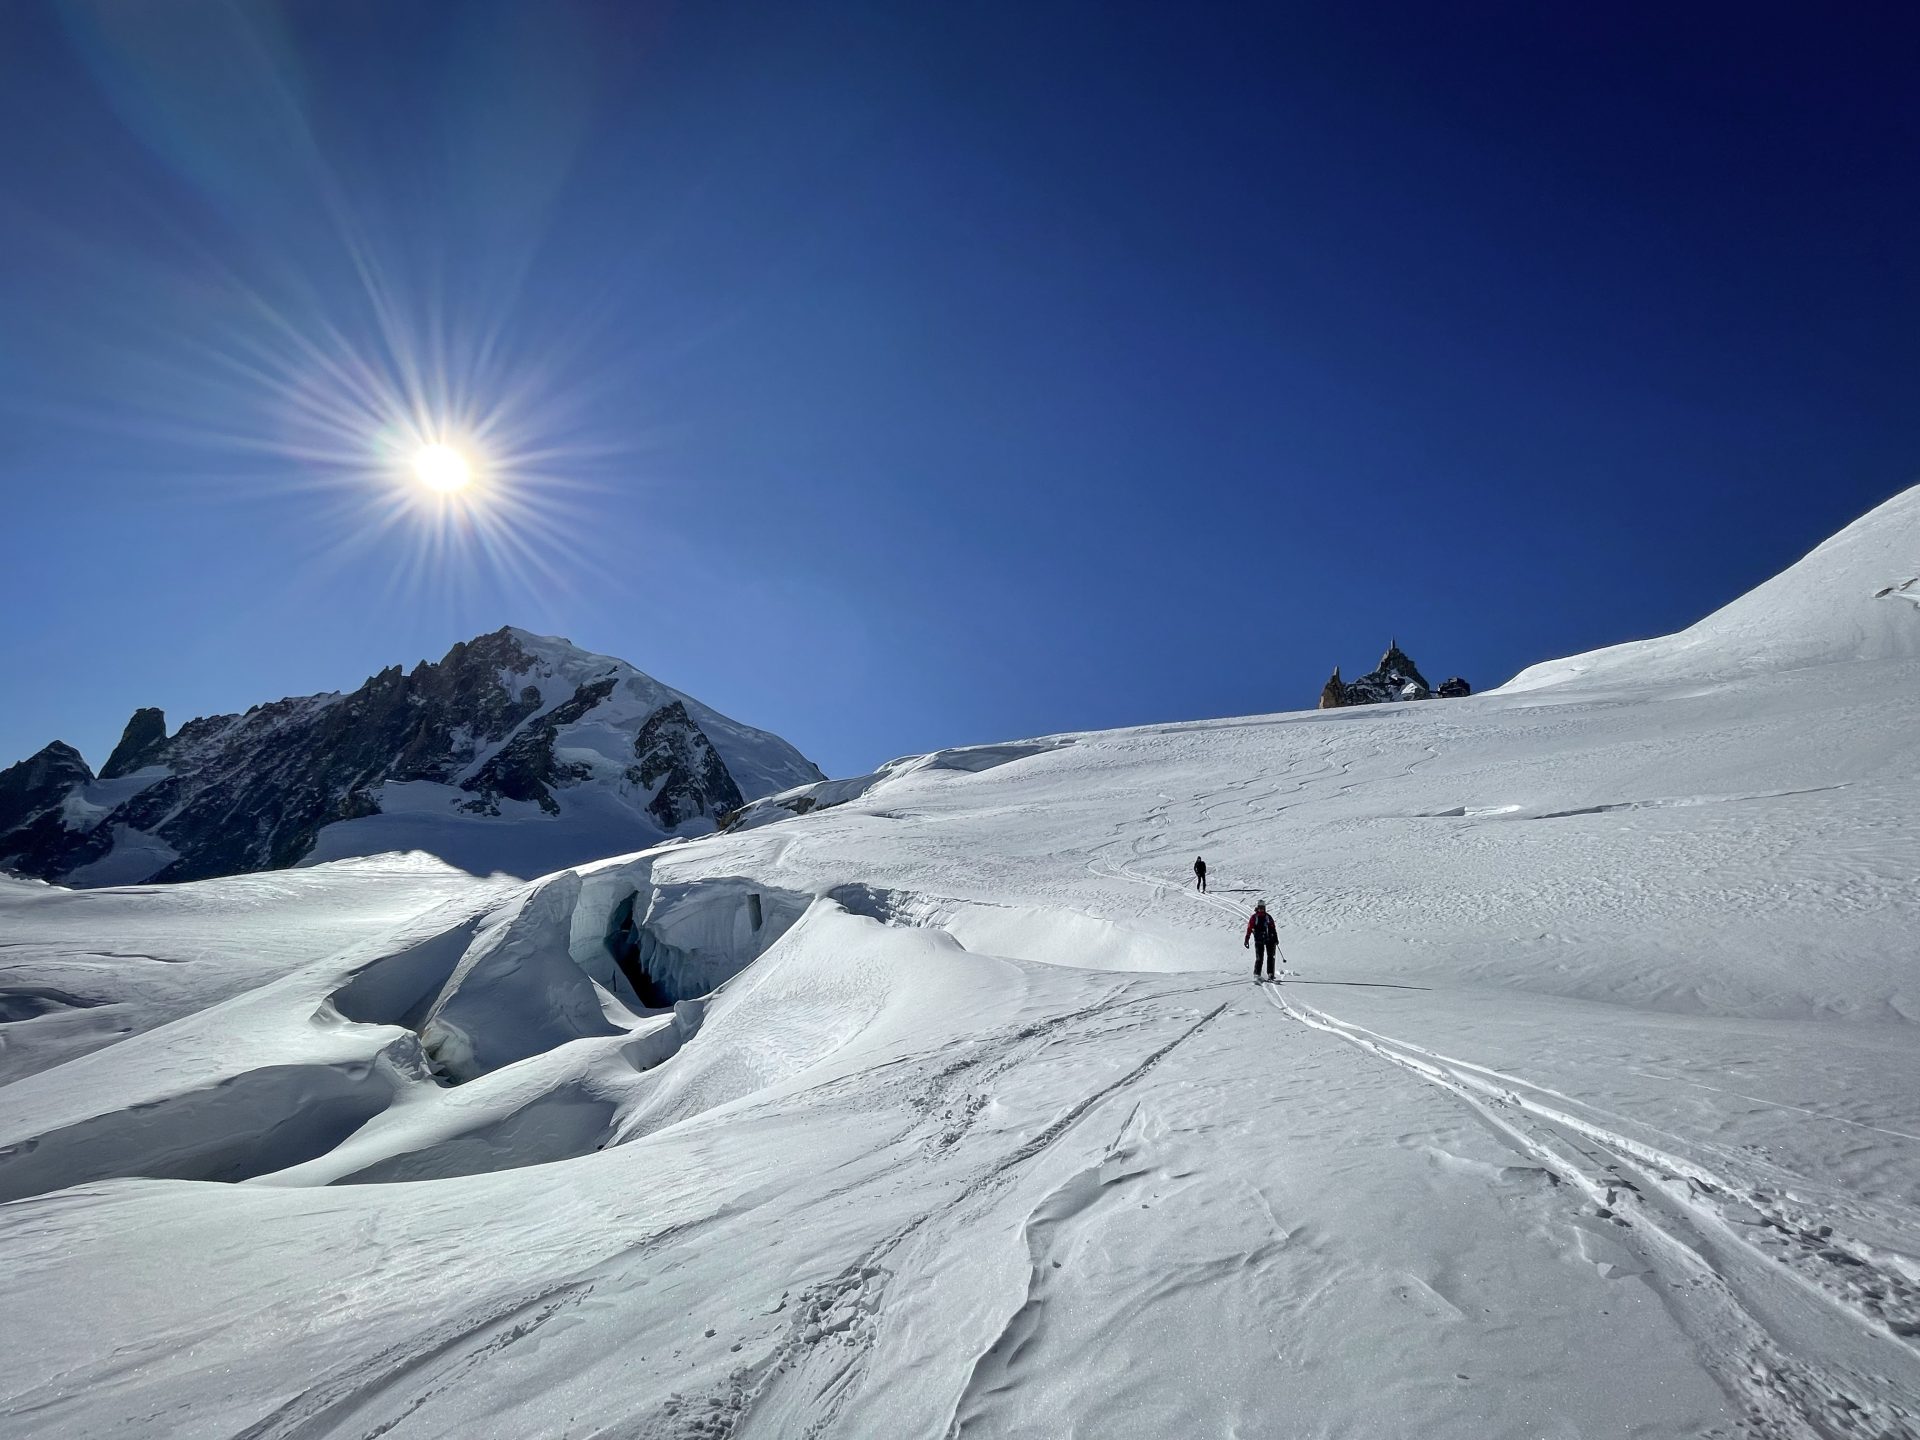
(1590,1106)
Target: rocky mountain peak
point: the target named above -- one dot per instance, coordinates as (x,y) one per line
(140,744)
(50,771)
(34,798)
(1395,678)
(509,727)
(1397,666)
(1333,693)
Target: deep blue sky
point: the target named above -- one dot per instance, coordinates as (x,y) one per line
(908,375)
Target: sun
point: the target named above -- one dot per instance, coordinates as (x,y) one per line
(442,468)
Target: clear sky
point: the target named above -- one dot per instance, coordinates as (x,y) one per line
(902,375)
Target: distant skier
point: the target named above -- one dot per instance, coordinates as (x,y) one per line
(1200,875)
(1264,936)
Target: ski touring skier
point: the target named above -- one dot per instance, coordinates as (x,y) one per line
(1264,936)
(1200,875)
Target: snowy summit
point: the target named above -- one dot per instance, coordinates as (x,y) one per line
(516,752)
(940,1102)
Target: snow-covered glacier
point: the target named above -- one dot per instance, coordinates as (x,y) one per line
(938,1102)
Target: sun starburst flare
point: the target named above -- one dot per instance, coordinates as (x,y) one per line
(442,468)
(467,466)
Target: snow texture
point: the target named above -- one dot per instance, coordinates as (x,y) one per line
(1587,1103)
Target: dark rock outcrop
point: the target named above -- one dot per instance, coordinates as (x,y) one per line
(141,744)
(1454,688)
(38,835)
(675,754)
(525,766)
(1395,678)
(39,782)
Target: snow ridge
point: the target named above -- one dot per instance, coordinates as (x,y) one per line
(1837,605)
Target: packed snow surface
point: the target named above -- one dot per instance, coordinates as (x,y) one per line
(1588,1104)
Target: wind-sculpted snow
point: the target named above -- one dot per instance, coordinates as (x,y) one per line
(825,794)
(1830,608)
(516,992)
(482,985)
(141,958)
(1585,1106)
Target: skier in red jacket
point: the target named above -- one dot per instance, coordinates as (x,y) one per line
(1264,935)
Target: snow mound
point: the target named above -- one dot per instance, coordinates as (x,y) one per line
(1843,602)
(825,794)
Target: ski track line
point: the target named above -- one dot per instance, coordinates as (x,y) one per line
(1156,817)
(1682,1207)
(320,1408)
(1784,1395)
(1706,1191)
(1329,770)
(1487,1078)
(845,1306)
(992,1054)
(997,1371)
(1774,1104)
(843,1309)
(1066,1122)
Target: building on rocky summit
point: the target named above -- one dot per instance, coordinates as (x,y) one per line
(1395,678)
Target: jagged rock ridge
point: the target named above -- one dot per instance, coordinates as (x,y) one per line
(1396,677)
(507,727)
(691,778)
(141,744)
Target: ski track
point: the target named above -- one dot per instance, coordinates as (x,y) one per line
(1727,1248)
(1724,1270)
(434,1365)
(1683,1219)
(827,1343)
(1812,1331)
(1049,1229)
(373,1395)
